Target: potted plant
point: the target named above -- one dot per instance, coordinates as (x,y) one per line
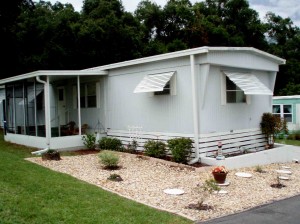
(220,174)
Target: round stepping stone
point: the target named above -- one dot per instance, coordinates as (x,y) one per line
(174,191)
(242,174)
(286,167)
(284,178)
(222,192)
(226,183)
(284,171)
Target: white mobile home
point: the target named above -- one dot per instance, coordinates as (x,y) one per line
(209,94)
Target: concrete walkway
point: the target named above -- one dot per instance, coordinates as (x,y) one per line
(285,211)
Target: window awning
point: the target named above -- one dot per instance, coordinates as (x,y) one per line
(249,83)
(153,83)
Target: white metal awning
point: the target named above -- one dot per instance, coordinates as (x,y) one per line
(249,83)
(153,83)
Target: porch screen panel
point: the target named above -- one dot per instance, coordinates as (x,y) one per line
(19,108)
(249,83)
(10,120)
(40,110)
(153,83)
(30,109)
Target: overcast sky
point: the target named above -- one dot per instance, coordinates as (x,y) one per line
(283,8)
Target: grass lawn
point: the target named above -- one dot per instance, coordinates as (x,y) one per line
(33,194)
(288,142)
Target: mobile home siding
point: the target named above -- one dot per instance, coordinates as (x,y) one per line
(163,113)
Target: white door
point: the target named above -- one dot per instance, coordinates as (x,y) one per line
(61,105)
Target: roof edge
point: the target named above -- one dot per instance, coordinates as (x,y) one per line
(51,73)
(199,50)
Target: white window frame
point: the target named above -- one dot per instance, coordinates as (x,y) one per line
(97,89)
(281,112)
(224,92)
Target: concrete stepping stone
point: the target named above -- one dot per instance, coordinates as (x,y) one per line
(174,191)
(284,171)
(242,174)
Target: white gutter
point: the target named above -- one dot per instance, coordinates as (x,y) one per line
(195,110)
(47,107)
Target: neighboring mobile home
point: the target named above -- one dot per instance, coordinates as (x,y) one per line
(288,107)
(210,94)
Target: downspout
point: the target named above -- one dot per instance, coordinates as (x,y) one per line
(47,107)
(195,110)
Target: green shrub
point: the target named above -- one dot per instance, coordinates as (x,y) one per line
(131,147)
(271,125)
(89,140)
(51,154)
(110,143)
(180,148)
(155,149)
(109,160)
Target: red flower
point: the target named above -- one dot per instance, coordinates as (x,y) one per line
(220,169)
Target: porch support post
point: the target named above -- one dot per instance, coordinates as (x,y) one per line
(195,110)
(79,106)
(47,108)
(47,111)
(35,113)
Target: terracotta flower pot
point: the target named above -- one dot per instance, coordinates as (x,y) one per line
(220,177)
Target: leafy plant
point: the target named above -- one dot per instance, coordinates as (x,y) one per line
(155,149)
(180,148)
(51,154)
(89,140)
(109,160)
(206,189)
(115,177)
(132,146)
(272,125)
(259,169)
(110,143)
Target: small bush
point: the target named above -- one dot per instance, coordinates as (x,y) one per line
(113,144)
(155,149)
(131,147)
(181,149)
(89,140)
(51,155)
(109,160)
(115,177)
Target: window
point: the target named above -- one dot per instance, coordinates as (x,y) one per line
(283,111)
(88,95)
(165,91)
(233,93)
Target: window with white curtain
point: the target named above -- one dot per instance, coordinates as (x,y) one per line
(283,111)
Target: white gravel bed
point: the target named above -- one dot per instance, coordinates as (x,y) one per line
(144,181)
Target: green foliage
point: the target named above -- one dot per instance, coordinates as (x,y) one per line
(115,177)
(210,185)
(272,125)
(131,147)
(155,148)
(89,140)
(258,169)
(110,143)
(180,149)
(109,160)
(51,154)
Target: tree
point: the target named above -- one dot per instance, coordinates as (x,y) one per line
(9,12)
(284,41)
